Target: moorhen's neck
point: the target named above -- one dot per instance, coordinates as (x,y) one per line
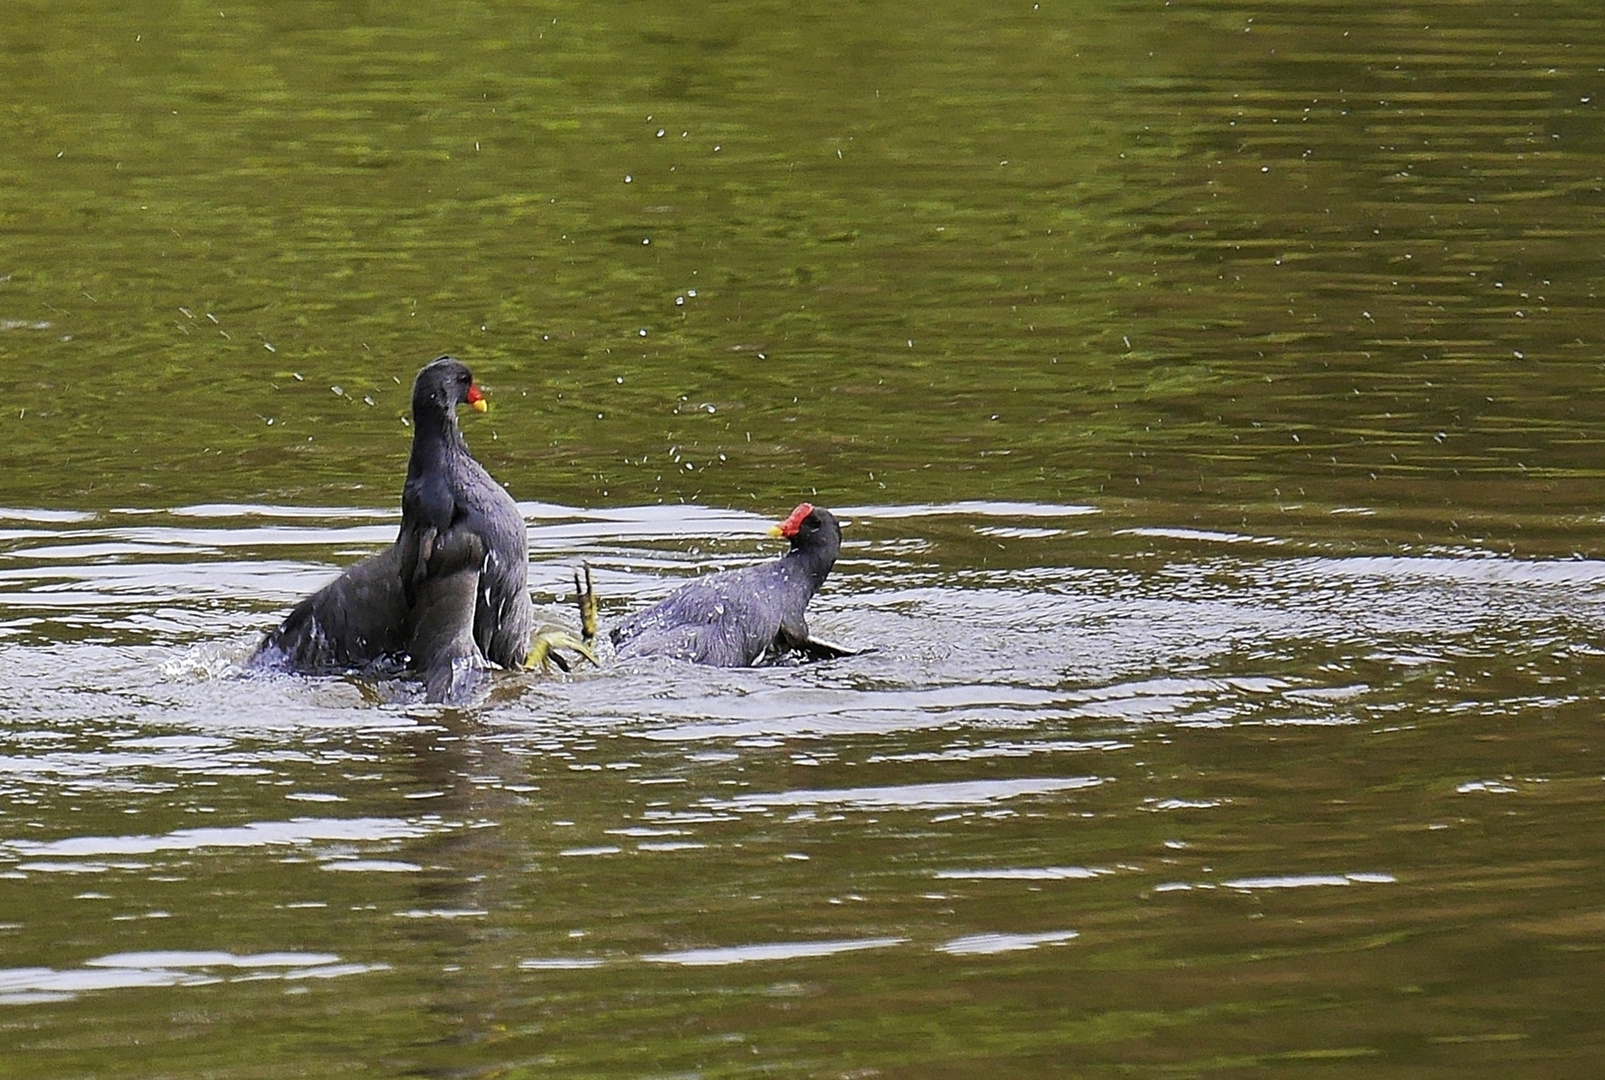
(815,556)
(435,436)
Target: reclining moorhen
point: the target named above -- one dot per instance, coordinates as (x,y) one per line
(744,617)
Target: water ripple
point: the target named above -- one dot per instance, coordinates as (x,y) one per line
(294,832)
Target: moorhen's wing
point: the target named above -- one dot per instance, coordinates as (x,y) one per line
(722,620)
(356,621)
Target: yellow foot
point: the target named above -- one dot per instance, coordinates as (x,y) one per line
(544,650)
(549,639)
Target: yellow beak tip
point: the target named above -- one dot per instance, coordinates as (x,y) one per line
(774,530)
(481,405)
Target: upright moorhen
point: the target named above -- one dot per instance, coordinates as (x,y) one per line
(743,617)
(447,491)
(450,593)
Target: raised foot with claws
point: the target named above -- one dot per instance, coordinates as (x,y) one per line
(548,640)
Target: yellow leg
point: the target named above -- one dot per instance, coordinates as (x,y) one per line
(585,596)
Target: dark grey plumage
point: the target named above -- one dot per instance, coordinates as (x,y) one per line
(742,617)
(450,593)
(447,490)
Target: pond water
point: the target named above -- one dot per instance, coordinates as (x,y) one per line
(1213,397)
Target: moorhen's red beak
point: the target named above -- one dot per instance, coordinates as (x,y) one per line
(476,398)
(789,527)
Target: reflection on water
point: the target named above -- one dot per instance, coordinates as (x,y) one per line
(980,944)
(1057,782)
(742,954)
(32,986)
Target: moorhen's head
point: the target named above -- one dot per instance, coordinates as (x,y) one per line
(441,386)
(812,529)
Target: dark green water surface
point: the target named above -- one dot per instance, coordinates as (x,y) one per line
(1215,397)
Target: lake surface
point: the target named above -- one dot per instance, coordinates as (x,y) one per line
(1213,395)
